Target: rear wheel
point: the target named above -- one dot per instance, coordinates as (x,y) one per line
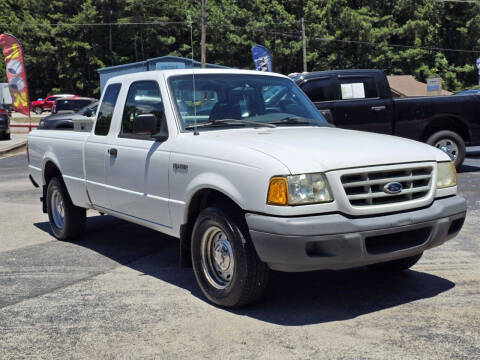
(67,221)
(38,110)
(224,260)
(396,265)
(451,143)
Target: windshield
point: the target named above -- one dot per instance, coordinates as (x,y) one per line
(231,100)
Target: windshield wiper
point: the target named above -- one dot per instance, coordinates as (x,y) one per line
(292,120)
(229,122)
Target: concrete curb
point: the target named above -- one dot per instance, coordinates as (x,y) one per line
(13,147)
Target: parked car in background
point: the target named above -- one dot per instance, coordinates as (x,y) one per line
(362,100)
(66,120)
(4,124)
(5,97)
(70,106)
(41,105)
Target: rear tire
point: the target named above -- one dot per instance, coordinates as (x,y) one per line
(67,221)
(38,110)
(226,265)
(451,143)
(396,265)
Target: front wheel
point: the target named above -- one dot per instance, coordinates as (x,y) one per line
(67,221)
(38,110)
(451,143)
(396,265)
(224,260)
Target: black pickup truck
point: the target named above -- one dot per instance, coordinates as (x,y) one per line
(362,100)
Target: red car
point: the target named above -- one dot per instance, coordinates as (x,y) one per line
(41,105)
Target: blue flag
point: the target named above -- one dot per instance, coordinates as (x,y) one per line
(261,58)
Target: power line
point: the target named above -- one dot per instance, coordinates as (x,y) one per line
(295,35)
(431,48)
(97,24)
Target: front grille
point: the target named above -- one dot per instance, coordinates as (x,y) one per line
(367,188)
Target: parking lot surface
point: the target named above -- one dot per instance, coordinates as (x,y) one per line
(118,293)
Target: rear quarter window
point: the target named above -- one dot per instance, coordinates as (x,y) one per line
(107,106)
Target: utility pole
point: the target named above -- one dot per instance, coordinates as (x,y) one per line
(304,46)
(110,40)
(204,33)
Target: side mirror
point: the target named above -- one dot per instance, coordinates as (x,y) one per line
(327,114)
(88,113)
(161,136)
(145,124)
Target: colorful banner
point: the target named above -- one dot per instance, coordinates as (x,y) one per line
(16,76)
(261,58)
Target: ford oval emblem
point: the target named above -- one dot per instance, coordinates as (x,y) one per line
(393,188)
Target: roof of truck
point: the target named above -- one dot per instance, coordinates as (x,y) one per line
(173,72)
(316,74)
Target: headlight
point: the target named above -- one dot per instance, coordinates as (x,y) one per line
(446,175)
(299,190)
(42,122)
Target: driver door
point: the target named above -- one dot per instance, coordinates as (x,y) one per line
(137,165)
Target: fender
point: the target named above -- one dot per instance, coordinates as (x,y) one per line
(212,181)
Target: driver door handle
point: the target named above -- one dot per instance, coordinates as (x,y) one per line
(379,108)
(113,152)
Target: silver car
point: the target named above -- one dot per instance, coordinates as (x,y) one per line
(65,121)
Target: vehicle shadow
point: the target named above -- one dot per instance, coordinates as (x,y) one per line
(290,299)
(464,168)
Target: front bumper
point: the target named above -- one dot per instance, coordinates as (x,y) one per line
(334,241)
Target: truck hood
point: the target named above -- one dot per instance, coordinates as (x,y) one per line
(311,149)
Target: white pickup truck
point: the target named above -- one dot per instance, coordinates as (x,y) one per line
(242,168)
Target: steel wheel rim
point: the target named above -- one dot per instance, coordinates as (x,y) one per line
(218,263)
(58,209)
(449,147)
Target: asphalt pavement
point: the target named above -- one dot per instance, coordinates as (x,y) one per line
(118,293)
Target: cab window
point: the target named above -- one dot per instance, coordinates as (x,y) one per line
(358,88)
(144,113)
(318,89)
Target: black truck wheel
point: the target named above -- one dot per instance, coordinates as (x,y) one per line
(451,143)
(38,110)
(67,221)
(224,260)
(396,265)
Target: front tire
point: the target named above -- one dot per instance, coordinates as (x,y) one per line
(396,265)
(451,143)
(38,110)
(224,260)
(67,221)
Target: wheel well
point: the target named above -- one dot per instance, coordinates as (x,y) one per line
(50,171)
(201,200)
(451,124)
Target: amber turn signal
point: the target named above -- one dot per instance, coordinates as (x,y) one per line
(277,191)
